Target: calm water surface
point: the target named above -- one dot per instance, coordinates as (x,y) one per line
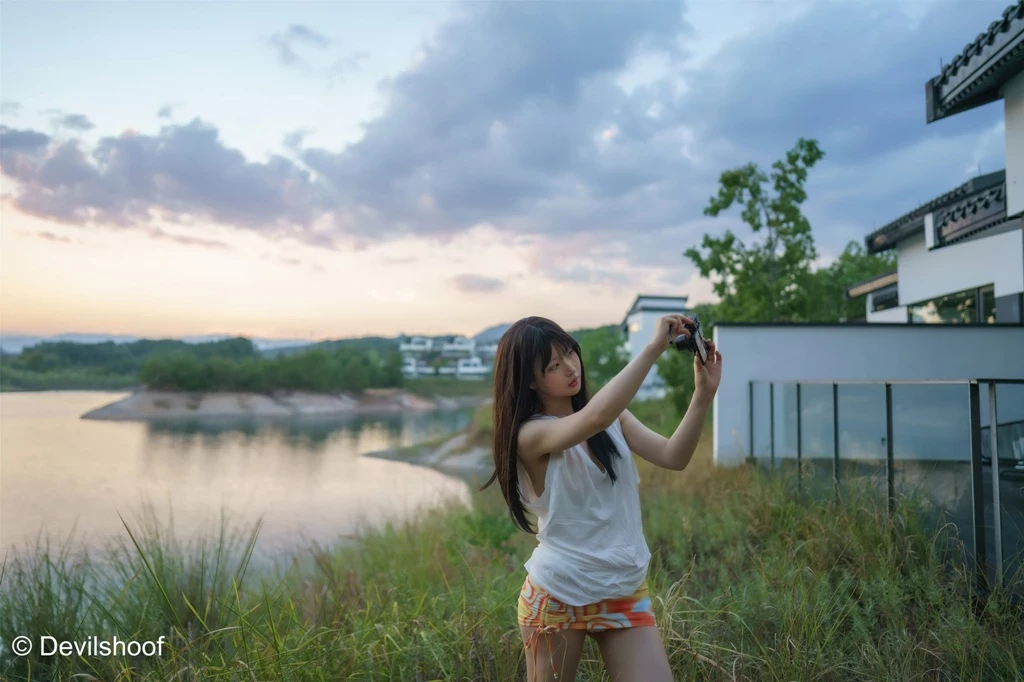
(308,479)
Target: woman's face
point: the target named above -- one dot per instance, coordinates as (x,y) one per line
(561,377)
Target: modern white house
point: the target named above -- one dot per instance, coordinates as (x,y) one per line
(471,367)
(638,328)
(414,367)
(960,256)
(927,396)
(416,344)
(462,357)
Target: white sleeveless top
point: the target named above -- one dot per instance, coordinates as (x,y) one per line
(591,543)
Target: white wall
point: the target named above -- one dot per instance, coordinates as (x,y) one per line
(851,353)
(924,274)
(1013,108)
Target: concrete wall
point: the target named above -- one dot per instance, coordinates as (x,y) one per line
(1013,108)
(851,353)
(924,274)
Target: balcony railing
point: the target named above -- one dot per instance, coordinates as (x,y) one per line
(929,439)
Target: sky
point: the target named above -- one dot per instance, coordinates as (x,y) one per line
(340,169)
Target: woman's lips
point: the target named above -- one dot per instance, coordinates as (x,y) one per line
(575,382)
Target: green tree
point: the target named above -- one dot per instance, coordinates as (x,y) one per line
(827,301)
(763,282)
(603,355)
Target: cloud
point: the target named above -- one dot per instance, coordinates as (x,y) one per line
(22,141)
(184,173)
(186,240)
(514,115)
(284,43)
(399,260)
(9,108)
(49,236)
(469,283)
(167,110)
(78,122)
(292,261)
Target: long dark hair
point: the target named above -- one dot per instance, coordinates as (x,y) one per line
(525,346)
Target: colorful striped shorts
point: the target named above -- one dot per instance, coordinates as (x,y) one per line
(539,609)
(547,615)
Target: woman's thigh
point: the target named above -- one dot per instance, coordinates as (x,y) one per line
(559,651)
(634,655)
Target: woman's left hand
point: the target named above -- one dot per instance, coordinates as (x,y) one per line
(707,377)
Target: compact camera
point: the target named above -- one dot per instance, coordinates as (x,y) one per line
(695,342)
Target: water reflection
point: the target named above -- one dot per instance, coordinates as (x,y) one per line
(304,476)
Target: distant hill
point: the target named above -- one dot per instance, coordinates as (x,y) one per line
(491,334)
(379,343)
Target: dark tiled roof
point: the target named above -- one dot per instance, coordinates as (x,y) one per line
(909,224)
(972,215)
(974,76)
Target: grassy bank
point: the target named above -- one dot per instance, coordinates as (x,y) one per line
(750,584)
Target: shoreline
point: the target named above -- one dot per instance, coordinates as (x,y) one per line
(146,405)
(452,456)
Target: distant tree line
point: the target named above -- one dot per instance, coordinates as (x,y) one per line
(228,365)
(319,371)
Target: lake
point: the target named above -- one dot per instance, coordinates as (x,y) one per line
(308,478)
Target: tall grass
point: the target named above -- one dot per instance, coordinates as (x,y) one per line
(751,582)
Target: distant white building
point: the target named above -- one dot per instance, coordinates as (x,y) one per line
(638,329)
(461,357)
(416,344)
(457,346)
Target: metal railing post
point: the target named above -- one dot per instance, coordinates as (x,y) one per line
(799,446)
(835,438)
(993,448)
(750,406)
(977,489)
(890,468)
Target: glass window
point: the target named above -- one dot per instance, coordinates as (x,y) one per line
(958,308)
(988,304)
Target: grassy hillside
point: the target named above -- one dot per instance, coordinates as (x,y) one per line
(750,581)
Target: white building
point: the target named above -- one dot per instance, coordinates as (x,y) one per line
(638,328)
(416,344)
(928,397)
(458,346)
(960,257)
(462,357)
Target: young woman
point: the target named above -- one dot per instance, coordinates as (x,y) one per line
(566,459)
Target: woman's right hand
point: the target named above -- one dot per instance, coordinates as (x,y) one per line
(668,329)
